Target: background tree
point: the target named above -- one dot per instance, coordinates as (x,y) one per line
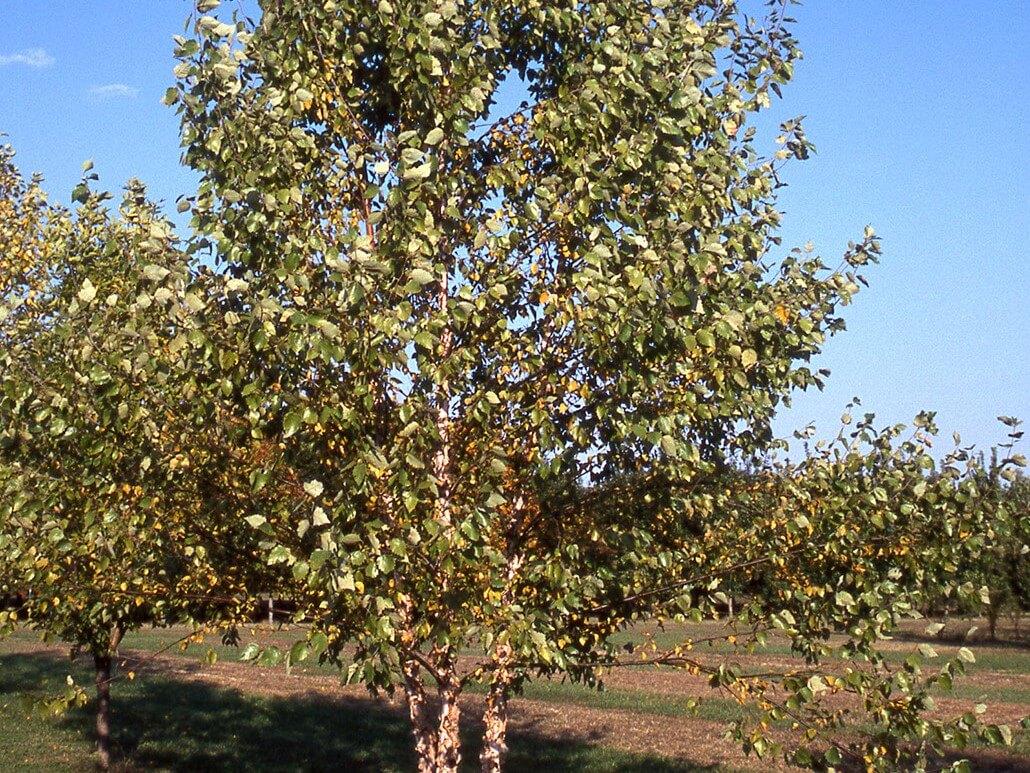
(1002,567)
(1015,567)
(496,359)
(108,499)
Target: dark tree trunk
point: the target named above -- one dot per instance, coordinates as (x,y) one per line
(994,605)
(102,664)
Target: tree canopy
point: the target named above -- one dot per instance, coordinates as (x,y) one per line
(504,352)
(111,489)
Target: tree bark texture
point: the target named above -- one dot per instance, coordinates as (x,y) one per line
(102,666)
(436,732)
(495,717)
(418,715)
(448,743)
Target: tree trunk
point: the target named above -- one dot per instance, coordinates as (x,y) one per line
(437,737)
(448,740)
(438,744)
(418,715)
(994,605)
(495,718)
(102,665)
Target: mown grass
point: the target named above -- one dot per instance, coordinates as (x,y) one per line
(1001,657)
(639,701)
(994,658)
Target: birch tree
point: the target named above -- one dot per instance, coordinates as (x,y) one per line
(499,348)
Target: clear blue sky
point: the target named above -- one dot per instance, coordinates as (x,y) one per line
(920,112)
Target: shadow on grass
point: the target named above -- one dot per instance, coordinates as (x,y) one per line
(182,726)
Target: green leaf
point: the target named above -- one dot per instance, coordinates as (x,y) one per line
(319,518)
(420,172)
(270,656)
(421,276)
(292,422)
(250,652)
(155,273)
(298,652)
(318,643)
(87,292)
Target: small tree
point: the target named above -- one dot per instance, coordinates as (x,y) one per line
(103,515)
(1015,566)
(503,357)
(1002,568)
